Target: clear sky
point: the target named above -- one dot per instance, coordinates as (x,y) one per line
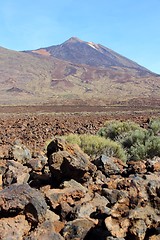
(129,27)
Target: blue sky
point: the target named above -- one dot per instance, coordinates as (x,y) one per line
(129,27)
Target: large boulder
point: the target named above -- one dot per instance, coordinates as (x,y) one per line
(67,161)
(21,198)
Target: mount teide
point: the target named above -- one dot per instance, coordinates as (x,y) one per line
(74,72)
(89,53)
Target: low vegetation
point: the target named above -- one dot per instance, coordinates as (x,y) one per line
(125,140)
(114,129)
(95,145)
(138,143)
(154,126)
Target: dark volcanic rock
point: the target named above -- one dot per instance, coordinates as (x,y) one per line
(108,165)
(3,168)
(22,198)
(45,231)
(67,162)
(77,229)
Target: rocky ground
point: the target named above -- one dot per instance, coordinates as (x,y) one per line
(35,130)
(52,190)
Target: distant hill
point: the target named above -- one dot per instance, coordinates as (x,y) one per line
(74,72)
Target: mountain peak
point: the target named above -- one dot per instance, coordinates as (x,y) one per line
(74,39)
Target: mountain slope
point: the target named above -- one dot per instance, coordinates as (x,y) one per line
(89,53)
(100,77)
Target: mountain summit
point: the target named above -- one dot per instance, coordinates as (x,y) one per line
(80,52)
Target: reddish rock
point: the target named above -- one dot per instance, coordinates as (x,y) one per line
(3,166)
(12,228)
(58,226)
(136,167)
(72,191)
(118,228)
(1,183)
(153,165)
(3,151)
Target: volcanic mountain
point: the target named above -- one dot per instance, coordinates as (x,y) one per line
(74,72)
(77,51)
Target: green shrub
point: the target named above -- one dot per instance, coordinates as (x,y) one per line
(141,144)
(95,145)
(153,146)
(114,129)
(137,152)
(154,125)
(133,137)
(124,140)
(73,139)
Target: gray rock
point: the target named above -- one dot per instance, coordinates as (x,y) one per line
(45,231)
(38,163)
(153,189)
(107,165)
(67,161)
(113,195)
(22,198)
(19,152)
(15,173)
(64,165)
(77,229)
(143,218)
(95,208)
